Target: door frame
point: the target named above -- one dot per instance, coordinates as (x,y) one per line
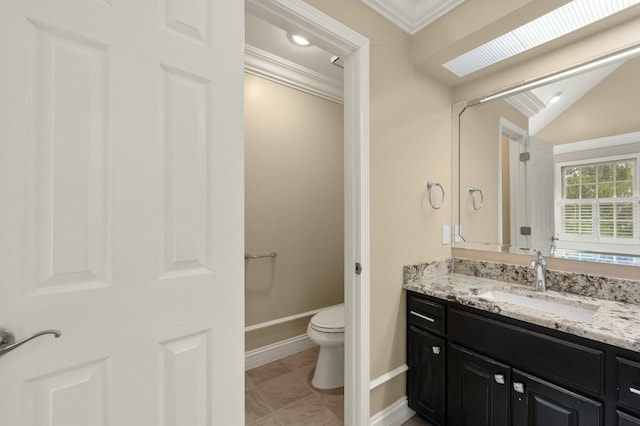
(517,202)
(329,34)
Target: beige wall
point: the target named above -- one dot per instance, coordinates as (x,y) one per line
(410,144)
(610,108)
(293,205)
(480,140)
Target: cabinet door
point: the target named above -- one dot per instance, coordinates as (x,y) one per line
(478,389)
(535,402)
(627,420)
(426,376)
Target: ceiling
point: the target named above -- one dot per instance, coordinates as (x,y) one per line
(448,29)
(269,38)
(476,22)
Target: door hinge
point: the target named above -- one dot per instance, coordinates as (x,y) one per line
(525,156)
(358,268)
(525,230)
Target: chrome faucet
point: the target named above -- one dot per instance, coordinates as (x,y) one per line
(540,266)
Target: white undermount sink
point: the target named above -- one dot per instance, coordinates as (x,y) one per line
(581,313)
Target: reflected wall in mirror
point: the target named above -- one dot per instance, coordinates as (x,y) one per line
(557,167)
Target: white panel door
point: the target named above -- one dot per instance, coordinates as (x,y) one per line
(121,212)
(541,193)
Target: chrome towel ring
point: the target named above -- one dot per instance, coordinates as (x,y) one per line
(473,192)
(430,186)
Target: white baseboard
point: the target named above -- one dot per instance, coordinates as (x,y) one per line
(394,415)
(276,351)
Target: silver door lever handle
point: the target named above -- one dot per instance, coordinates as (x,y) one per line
(8,340)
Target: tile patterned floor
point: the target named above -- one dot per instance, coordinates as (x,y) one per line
(280,394)
(416,421)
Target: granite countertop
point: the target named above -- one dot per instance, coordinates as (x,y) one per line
(615,323)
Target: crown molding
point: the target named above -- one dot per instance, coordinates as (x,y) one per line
(412,15)
(266,65)
(527,103)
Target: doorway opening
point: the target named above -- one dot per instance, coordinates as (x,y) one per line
(353,49)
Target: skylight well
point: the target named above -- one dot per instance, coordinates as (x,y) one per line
(555,24)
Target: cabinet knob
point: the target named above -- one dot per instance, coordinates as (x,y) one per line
(499,378)
(436,350)
(518,387)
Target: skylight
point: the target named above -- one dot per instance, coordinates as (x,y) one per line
(555,24)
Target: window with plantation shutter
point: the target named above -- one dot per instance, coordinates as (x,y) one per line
(600,203)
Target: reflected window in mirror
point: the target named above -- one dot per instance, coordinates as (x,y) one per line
(598,205)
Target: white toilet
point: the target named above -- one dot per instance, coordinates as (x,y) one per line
(326,329)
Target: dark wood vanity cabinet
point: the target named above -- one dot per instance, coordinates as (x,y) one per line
(627,420)
(426,388)
(485,392)
(495,371)
(426,356)
(535,402)
(628,383)
(628,391)
(478,389)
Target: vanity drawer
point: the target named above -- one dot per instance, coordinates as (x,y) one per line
(629,384)
(425,314)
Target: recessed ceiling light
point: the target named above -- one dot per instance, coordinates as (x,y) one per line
(555,98)
(298,40)
(564,20)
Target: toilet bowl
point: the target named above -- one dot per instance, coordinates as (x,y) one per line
(326,329)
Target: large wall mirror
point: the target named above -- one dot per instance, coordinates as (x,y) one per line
(553,165)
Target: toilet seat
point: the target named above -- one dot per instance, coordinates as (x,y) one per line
(329,320)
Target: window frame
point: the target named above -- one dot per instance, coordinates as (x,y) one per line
(594,242)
